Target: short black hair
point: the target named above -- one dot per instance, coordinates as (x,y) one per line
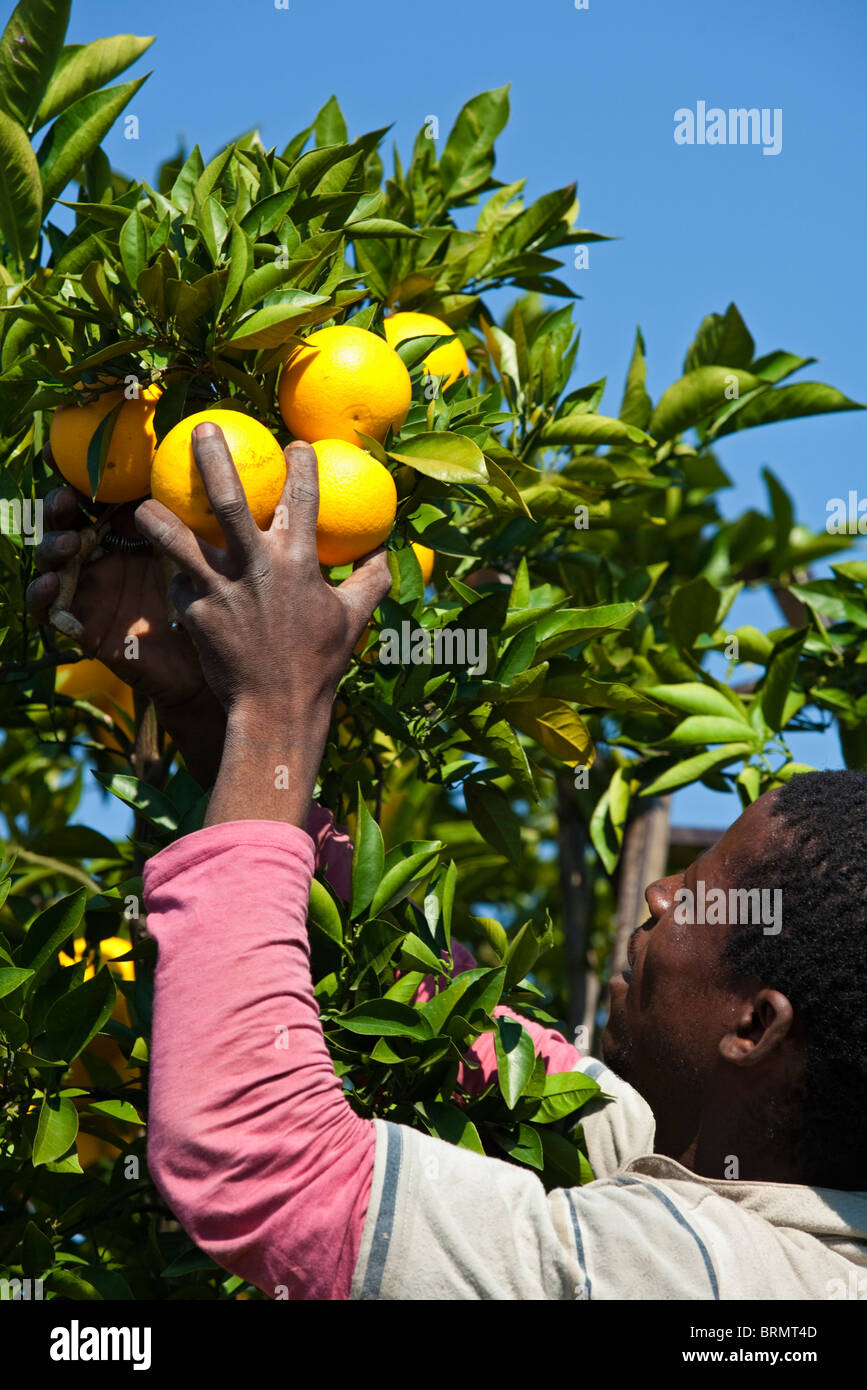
(818,961)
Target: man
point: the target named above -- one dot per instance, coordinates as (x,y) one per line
(732,1162)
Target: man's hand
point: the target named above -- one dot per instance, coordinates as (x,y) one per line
(273,637)
(119,596)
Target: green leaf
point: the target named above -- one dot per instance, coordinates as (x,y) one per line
(468,157)
(636,407)
(56,1129)
(516,1057)
(329,125)
(447,457)
(181,195)
(402,871)
(77,133)
(37,1252)
(565,1164)
(556,727)
(147,800)
(525,1147)
(692,769)
(493,738)
(418,955)
(240,258)
(11,978)
(584,427)
(494,934)
(83,68)
(79,1015)
(699,728)
(380,227)
(564,1093)
(133,246)
(492,815)
(20,191)
(521,956)
(692,611)
(50,930)
(723,339)
(386,1018)
(450,1123)
(788,403)
(99,447)
(117,1110)
(777,365)
(274,325)
(695,698)
(323,913)
(698,395)
(778,679)
(29,48)
(368,859)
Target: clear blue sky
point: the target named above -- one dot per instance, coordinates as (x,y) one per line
(593,99)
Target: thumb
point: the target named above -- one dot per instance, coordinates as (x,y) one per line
(364,589)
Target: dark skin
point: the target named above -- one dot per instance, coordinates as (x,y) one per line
(119,596)
(718,1060)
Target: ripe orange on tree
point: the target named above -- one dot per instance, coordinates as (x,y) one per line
(126,476)
(91,680)
(357,502)
(259,459)
(342,380)
(449,360)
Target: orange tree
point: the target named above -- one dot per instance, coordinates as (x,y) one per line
(586,551)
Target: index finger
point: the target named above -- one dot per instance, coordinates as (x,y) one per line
(225,492)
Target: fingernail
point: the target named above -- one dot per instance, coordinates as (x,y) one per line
(204,429)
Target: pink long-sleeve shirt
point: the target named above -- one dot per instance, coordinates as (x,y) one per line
(251,1140)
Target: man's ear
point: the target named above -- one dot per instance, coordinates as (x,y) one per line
(762,1025)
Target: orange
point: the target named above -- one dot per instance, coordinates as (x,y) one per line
(426,558)
(357,502)
(127,469)
(90,1148)
(92,681)
(342,380)
(449,360)
(177,482)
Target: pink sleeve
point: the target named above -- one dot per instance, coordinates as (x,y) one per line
(559,1054)
(250,1139)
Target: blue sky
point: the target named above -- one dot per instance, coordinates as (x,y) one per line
(593,96)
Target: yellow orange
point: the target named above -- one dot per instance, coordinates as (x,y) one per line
(343,380)
(357,502)
(448,360)
(92,681)
(426,558)
(177,482)
(131,451)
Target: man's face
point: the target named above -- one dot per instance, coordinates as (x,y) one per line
(673,1003)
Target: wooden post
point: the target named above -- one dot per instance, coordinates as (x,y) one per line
(582,981)
(644,859)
